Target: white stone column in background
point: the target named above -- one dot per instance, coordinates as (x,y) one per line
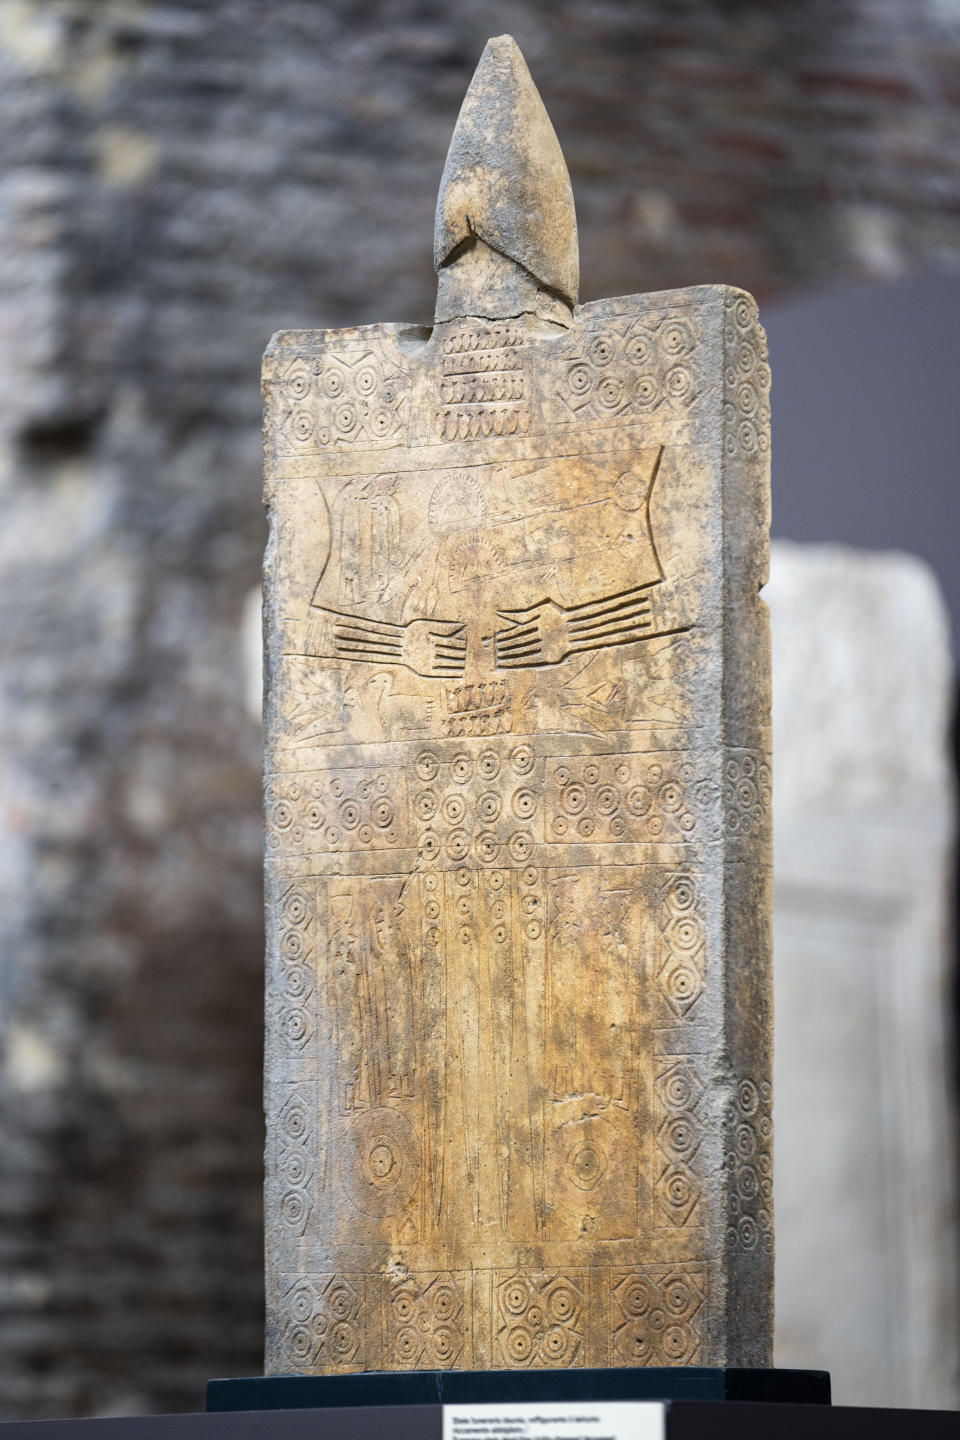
(864,811)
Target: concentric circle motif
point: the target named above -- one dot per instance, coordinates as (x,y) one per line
(488,847)
(445,1343)
(682,983)
(678,383)
(516,1297)
(293,1207)
(382,813)
(301,1343)
(296,1026)
(302,425)
(670,795)
(682,894)
(282,815)
(579,379)
(296,908)
(607,800)
(425,805)
(294,1121)
(638,349)
(445,1301)
(522,759)
(380,1162)
(748,1182)
(610,392)
(454,809)
(519,1345)
(678,1190)
(600,351)
(678,1092)
(554,1343)
(686,933)
(635,1296)
(523,803)
(639,800)
(295,1168)
(674,1342)
(675,338)
(680,1137)
(488,806)
(341,1302)
(407,1345)
(296,983)
(573,798)
(562,1304)
(585,1166)
(293,945)
(746,1141)
(678,1296)
(426,765)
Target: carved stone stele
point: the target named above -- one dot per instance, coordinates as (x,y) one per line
(518,807)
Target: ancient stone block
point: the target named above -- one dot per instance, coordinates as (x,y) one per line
(868,1254)
(517,803)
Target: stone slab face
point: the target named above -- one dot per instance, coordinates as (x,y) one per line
(518,824)
(867,1255)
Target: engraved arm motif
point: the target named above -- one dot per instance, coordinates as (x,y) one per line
(547,633)
(435,648)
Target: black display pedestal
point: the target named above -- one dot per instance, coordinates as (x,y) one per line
(467,1387)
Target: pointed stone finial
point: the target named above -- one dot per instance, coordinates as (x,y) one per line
(505,239)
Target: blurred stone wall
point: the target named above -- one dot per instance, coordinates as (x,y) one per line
(181,179)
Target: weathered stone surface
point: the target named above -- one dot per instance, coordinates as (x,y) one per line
(179,178)
(518,1013)
(867,1252)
